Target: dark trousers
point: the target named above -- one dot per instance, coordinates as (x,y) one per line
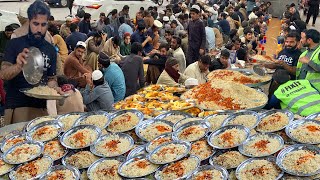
(313,11)
(193,55)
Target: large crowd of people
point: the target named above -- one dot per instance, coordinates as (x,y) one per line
(99,63)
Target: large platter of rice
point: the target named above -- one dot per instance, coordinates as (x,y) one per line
(23,152)
(201,149)
(99,119)
(274,120)
(5,167)
(112,145)
(152,145)
(261,145)
(138,166)
(213,172)
(150,129)
(37,121)
(222,95)
(179,169)
(300,160)
(80,136)
(249,119)
(45,131)
(124,120)
(54,149)
(259,168)
(13,140)
(79,159)
(169,152)
(192,131)
(228,159)
(304,131)
(228,136)
(173,116)
(216,120)
(68,120)
(32,170)
(105,169)
(62,172)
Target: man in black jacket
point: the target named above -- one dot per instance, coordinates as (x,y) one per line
(313,11)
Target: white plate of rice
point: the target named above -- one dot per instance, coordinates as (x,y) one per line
(169,152)
(45,131)
(192,131)
(156,142)
(69,119)
(105,169)
(99,119)
(228,159)
(124,120)
(300,160)
(79,159)
(216,120)
(274,120)
(229,136)
(138,166)
(304,131)
(210,172)
(249,119)
(32,170)
(150,129)
(62,172)
(261,145)
(12,140)
(112,145)
(81,136)
(259,168)
(23,152)
(55,150)
(179,169)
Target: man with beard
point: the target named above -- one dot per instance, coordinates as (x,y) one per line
(199,70)
(287,59)
(308,66)
(95,45)
(5,36)
(65,28)
(178,53)
(19,107)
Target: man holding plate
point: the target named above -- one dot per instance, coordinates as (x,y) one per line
(19,107)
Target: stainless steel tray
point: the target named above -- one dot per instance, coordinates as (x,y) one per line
(75,172)
(295,124)
(80,120)
(144,124)
(56,124)
(233,116)
(222,170)
(203,124)
(167,135)
(118,113)
(40,96)
(267,113)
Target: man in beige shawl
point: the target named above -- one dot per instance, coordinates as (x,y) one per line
(112,49)
(94,44)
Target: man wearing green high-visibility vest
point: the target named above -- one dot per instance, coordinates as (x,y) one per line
(308,66)
(298,96)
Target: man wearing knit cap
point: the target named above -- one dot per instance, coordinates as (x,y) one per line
(196,36)
(65,28)
(125,46)
(113,75)
(100,96)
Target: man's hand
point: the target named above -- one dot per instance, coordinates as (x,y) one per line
(201,51)
(304,60)
(149,39)
(280,63)
(21,58)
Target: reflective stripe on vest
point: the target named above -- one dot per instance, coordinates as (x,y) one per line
(314,57)
(307,106)
(296,99)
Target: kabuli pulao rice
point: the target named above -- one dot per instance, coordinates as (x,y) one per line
(106,170)
(139,168)
(81,159)
(229,138)
(54,149)
(81,138)
(302,161)
(192,133)
(259,169)
(212,174)
(154,130)
(157,142)
(216,121)
(23,153)
(244,120)
(262,145)
(11,142)
(124,122)
(201,149)
(174,118)
(45,133)
(113,145)
(179,169)
(229,159)
(96,120)
(32,169)
(69,121)
(273,122)
(307,133)
(64,174)
(4,167)
(169,153)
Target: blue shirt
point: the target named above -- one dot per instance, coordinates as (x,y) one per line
(73,38)
(14,98)
(225,26)
(211,39)
(115,78)
(100,98)
(140,38)
(84,27)
(123,29)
